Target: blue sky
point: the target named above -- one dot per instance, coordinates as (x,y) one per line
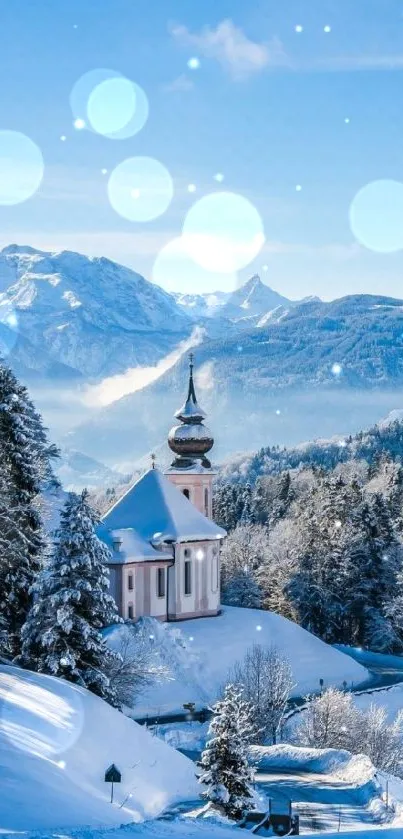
(269,107)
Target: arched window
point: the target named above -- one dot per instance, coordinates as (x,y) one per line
(187,553)
(130,613)
(186,492)
(130,582)
(206,500)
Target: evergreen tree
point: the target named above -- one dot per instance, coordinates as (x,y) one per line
(62,633)
(242,590)
(226,772)
(25,458)
(247,506)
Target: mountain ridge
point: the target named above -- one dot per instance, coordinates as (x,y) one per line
(336,365)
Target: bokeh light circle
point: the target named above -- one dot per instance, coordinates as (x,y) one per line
(37,719)
(174,270)
(109,104)
(140,188)
(223,232)
(21,167)
(376,216)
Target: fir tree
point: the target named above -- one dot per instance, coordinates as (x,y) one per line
(226,772)
(242,590)
(247,506)
(62,635)
(25,458)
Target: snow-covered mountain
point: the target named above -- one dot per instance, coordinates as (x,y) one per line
(248,303)
(252,300)
(319,369)
(76,470)
(65,315)
(202,305)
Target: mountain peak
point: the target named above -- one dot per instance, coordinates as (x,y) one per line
(253,282)
(20,249)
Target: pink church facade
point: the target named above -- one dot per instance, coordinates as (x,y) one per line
(164,544)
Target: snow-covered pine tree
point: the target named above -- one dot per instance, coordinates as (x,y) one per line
(242,590)
(62,636)
(25,458)
(247,505)
(226,773)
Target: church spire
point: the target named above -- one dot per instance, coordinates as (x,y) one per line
(190,412)
(191,440)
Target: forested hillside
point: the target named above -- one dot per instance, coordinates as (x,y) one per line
(272,460)
(323,546)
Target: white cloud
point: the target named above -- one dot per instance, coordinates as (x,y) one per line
(351,63)
(136,378)
(182,84)
(204,376)
(230,46)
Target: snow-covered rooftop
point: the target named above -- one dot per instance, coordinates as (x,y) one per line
(132,547)
(153,505)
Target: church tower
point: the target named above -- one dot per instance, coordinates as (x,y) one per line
(191,441)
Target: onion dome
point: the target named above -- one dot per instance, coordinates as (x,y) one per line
(190,440)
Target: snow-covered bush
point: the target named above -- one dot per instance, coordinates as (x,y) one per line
(330,721)
(135,667)
(265,677)
(333,721)
(226,773)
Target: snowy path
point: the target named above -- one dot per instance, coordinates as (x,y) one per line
(322,801)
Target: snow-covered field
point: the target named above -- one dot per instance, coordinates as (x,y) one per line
(57,740)
(201,653)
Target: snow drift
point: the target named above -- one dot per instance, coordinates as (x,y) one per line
(341,764)
(56,742)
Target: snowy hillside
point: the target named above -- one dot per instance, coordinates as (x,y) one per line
(65,314)
(57,740)
(201,652)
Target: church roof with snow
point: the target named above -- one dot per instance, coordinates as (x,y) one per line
(159,512)
(127,546)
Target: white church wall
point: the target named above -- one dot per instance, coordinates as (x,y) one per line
(197,487)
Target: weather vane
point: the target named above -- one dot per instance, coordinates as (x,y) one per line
(153,459)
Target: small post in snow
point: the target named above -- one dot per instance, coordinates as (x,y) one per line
(113,776)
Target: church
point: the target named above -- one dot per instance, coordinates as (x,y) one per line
(165,546)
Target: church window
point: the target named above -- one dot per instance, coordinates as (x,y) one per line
(130,613)
(187,553)
(188,576)
(214,573)
(160,582)
(186,492)
(130,582)
(206,504)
